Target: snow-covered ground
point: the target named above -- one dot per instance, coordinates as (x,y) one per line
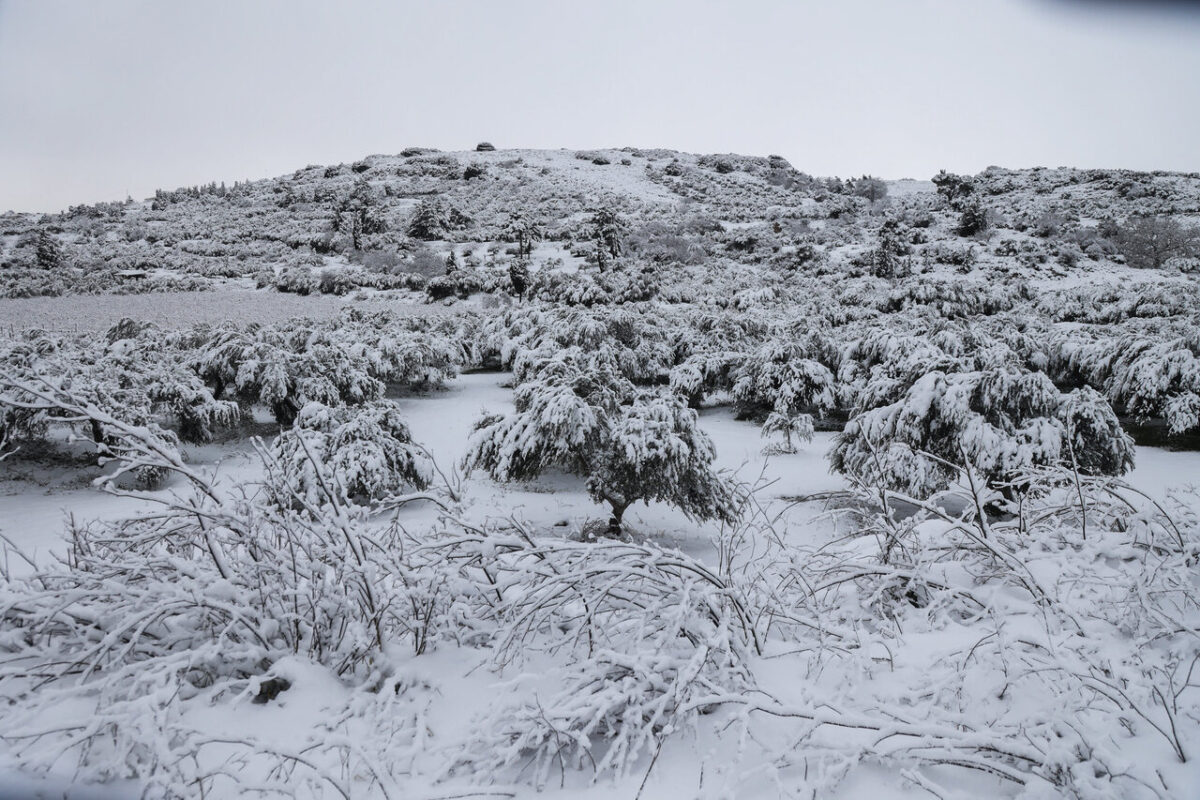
(33,511)
(457,682)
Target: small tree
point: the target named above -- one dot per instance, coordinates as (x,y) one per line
(1148,242)
(358,214)
(790,424)
(518,276)
(655,450)
(889,259)
(954,189)
(778,377)
(524,232)
(870,187)
(630,446)
(430,221)
(49,255)
(974,218)
(608,231)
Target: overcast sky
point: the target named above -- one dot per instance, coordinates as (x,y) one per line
(103,99)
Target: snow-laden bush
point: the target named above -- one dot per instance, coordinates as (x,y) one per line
(361,453)
(127,377)
(880,366)
(952,298)
(1106,304)
(641,633)
(704,374)
(998,422)
(1073,675)
(1146,375)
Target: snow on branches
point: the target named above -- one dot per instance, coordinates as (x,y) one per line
(577,412)
(997,422)
(362,453)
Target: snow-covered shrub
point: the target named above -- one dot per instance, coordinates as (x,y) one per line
(662,631)
(351,361)
(952,298)
(297,279)
(1075,656)
(1148,376)
(211,599)
(700,375)
(999,423)
(131,376)
(779,379)
(362,453)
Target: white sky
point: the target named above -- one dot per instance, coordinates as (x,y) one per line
(101,99)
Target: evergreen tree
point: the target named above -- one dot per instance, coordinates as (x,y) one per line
(608,230)
(430,221)
(49,255)
(889,258)
(518,276)
(974,218)
(524,232)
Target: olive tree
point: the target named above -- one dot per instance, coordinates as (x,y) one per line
(630,445)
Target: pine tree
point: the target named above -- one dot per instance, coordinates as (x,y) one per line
(524,232)
(889,258)
(430,221)
(608,232)
(49,255)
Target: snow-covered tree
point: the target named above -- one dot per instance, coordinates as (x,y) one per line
(630,445)
(518,276)
(870,187)
(779,379)
(998,423)
(974,217)
(524,232)
(608,230)
(655,451)
(792,426)
(890,259)
(430,221)
(1148,242)
(49,253)
(954,189)
(362,453)
(359,214)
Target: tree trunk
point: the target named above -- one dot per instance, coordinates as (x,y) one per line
(614,522)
